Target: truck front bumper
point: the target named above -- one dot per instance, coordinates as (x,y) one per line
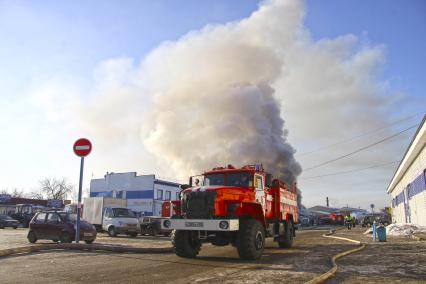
(224,225)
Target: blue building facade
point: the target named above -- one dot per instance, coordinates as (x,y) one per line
(144,193)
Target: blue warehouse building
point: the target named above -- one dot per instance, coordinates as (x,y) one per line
(144,193)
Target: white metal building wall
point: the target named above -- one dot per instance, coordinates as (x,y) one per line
(417,204)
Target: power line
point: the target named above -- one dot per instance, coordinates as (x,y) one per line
(359,136)
(351,171)
(360,149)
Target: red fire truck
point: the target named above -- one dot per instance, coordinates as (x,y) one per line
(228,205)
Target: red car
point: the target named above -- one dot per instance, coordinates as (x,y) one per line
(59,226)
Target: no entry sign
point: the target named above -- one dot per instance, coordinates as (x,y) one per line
(82,147)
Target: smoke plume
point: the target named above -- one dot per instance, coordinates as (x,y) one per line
(215,104)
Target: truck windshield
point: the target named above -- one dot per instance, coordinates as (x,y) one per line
(122,212)
(232,179)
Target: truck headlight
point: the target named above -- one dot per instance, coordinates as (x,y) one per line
(224,225)
(166,223)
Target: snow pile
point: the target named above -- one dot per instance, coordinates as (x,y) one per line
(404,229)
(399,230)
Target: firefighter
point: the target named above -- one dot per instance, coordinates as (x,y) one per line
(348,221)
(197,182)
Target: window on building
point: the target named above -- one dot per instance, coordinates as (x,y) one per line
(168,195)
(160,194)
(177,195)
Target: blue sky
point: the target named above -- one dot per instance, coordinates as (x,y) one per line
(399,25)
(41,38)
(45,38)
(66,41)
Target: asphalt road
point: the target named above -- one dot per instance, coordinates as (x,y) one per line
(309,257)
(399,260)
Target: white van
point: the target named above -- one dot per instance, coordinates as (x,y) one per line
(118,220)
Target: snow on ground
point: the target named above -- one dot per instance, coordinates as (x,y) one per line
(404,229)
(401,230)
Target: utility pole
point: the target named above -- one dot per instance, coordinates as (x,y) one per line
(326,200)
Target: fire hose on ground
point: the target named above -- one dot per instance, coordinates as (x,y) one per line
(329,274)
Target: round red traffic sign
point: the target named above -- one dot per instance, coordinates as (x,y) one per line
(82,147)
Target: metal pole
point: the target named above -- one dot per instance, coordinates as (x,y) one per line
(77,231)
(374,230)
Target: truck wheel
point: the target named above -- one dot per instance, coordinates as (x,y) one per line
(32,238)
(286,240)
(186,243)
(112,232)
(133,235)
(251,239)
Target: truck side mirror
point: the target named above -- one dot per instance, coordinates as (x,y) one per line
(190,181)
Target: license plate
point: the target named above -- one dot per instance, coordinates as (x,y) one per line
(88,234)
(194,224)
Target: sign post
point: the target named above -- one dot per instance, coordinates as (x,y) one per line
(82,147)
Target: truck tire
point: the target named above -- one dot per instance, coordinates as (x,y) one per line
(286,240)
(112,232)
(186,243)
(251,239)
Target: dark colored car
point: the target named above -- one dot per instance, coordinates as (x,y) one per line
(59,226)
(368,220)
(152,226)
(25,212)
(7,221)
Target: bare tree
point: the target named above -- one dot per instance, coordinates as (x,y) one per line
(52,188)
(19,193)
(36,195)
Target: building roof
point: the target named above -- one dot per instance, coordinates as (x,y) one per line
(323,209)
(417,144)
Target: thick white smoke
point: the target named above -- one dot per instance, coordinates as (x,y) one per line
(236,124)
(215,105)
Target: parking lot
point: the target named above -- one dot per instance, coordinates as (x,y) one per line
(309,257)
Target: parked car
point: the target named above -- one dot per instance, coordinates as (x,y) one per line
(368,220)
(25,212)
(59,226)
(7,221)
(152,226)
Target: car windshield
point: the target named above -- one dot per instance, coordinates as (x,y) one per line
(231,179)
(122,212)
